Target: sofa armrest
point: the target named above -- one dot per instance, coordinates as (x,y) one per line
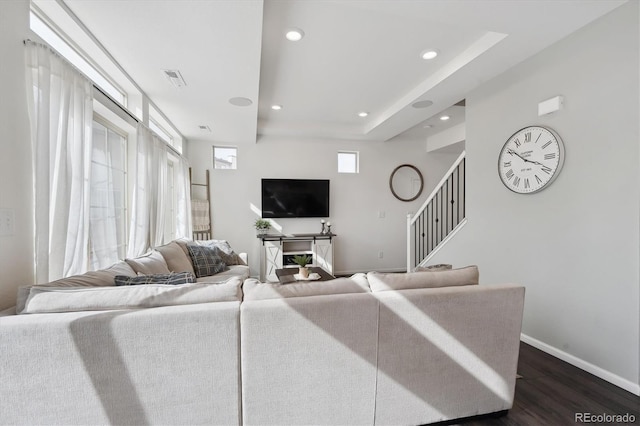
(244,257)
(112,367)
(466,340)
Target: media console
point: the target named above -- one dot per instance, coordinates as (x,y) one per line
(278,251)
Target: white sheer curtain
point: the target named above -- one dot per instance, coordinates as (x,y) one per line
(60,112)
(183,200)
(149,193)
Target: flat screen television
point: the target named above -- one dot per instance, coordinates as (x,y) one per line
(292,198)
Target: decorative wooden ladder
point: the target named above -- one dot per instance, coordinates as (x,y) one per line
(439,218)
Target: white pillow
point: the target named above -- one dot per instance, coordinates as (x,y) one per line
(426,279)
(255,290)
(101,278)
(71,299)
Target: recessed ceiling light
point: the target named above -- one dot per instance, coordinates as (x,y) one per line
(427,126)
(204,127)
(241,102)
(445,118)
(363,114)
(294,34)
(429,54)
(422,104)
(276,107)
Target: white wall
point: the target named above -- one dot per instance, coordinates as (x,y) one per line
(16,251)
(356,199)
(575,246)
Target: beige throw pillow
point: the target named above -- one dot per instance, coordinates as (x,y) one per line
(177,260)
(150,263)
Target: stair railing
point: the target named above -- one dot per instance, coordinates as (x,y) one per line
(439,217)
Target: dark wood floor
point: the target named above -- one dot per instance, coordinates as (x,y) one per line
(552,391)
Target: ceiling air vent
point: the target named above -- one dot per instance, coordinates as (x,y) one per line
(175,77)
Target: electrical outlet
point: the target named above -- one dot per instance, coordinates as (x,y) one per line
(380,254)
(7,222)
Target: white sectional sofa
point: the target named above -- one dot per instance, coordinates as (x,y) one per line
(371,349)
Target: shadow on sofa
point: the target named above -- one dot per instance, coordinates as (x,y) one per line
(433,354)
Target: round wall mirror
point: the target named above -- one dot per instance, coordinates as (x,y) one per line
(406,182)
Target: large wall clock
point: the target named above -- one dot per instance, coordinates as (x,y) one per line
(531,159)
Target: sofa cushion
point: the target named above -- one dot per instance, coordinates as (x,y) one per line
(426,279)
(101,278)
(44,299)
(255,290)
(229,257)
(241,271)
(150,263)
(206,260)
(174,278)
(182,242)
(176,258)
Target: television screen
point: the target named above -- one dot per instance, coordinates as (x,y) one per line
(289,198)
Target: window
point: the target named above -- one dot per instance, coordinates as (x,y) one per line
(54,40)
(170,204)
(108,199)
(158,130)
(348,162)
(225,157)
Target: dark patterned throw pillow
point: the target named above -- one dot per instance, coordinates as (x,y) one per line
(206,261)
(229,257)
(173,278)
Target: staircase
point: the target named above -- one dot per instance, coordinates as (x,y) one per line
(439,218)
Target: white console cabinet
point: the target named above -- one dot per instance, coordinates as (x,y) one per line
(278,251)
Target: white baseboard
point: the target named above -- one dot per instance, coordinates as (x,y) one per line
(610,377)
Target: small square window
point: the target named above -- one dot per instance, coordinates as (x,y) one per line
(348,162)
(225,157)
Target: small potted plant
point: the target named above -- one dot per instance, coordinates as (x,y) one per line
(302,260)
(262,226)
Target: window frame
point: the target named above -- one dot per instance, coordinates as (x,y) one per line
(110,126)
(356,155)
(69,50)
(234,165)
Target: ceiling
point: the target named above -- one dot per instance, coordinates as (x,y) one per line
(357,55)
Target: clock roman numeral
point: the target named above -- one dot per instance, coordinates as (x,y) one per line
(509,174)
(527,137)
(538,179)
(517,142)
(546,169)
(526,183)
(538,138)
(516,181)
(507,164)
(550,156)
(546,145)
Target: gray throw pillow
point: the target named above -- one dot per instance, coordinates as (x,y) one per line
(206,261)
(229,257)
(170,279)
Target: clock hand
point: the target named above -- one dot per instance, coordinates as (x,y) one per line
(512,152)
